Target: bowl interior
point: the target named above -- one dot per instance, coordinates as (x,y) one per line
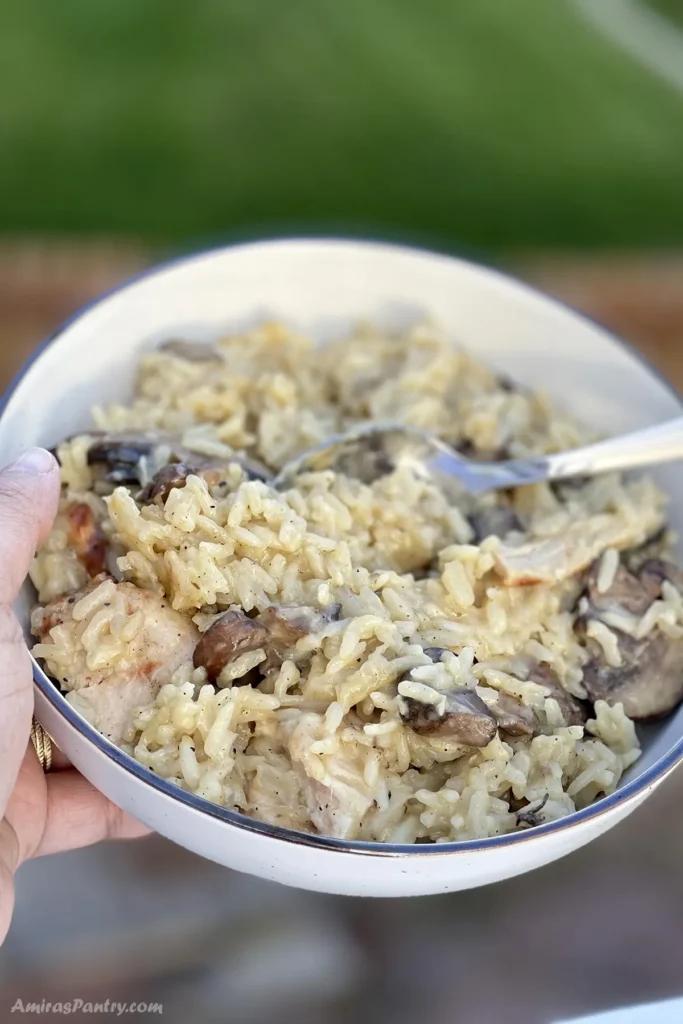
(324,288)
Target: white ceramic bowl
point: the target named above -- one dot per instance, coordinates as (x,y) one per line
(324,287)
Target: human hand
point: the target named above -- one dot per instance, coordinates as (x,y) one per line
(38,813)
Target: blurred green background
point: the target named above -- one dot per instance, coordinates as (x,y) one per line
(480,125)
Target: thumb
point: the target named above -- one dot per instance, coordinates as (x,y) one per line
(29,492)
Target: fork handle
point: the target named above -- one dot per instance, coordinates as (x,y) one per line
(661,443)
(651,445)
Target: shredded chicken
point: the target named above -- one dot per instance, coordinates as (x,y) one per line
(557,558)
(338,802)
(109,705)
(108,694)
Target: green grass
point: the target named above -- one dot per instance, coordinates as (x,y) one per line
(671,9)
(471,124)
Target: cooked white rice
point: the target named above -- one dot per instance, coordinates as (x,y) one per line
(321,744)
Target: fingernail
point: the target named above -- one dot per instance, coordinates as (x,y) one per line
(35,462)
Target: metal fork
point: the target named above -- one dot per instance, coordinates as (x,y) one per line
(372,450)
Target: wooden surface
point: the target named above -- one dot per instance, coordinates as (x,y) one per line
(640,299)
(149,921)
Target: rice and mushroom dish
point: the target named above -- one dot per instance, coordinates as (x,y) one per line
(365,658)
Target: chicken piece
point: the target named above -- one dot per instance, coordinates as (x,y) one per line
(336,806)
(86,537)
(557,558)
(110,705)
(111,677)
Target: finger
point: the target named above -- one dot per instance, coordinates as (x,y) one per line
(59,760)
(10,849)
(9,859)
(27,807)
(77,815)
(29,492)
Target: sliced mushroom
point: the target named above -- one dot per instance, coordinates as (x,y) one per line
(573,711)
(465,447)
(430,571)
(163,482)
(234,633)
(508,385)
(192,352)
(86,537)
(435,652)
(286,625)
(91,434)
(631,593)
(529,817)
(464,718)
(367,461)
(649,679)
(652,548)
(118,456)
(567,489)
(656,570)
(254,469)
(276,630)
(212,472)
(469,450)
(158,463)
(498,521)
(513,717)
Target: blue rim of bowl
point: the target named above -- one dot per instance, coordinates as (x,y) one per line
(51,692)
